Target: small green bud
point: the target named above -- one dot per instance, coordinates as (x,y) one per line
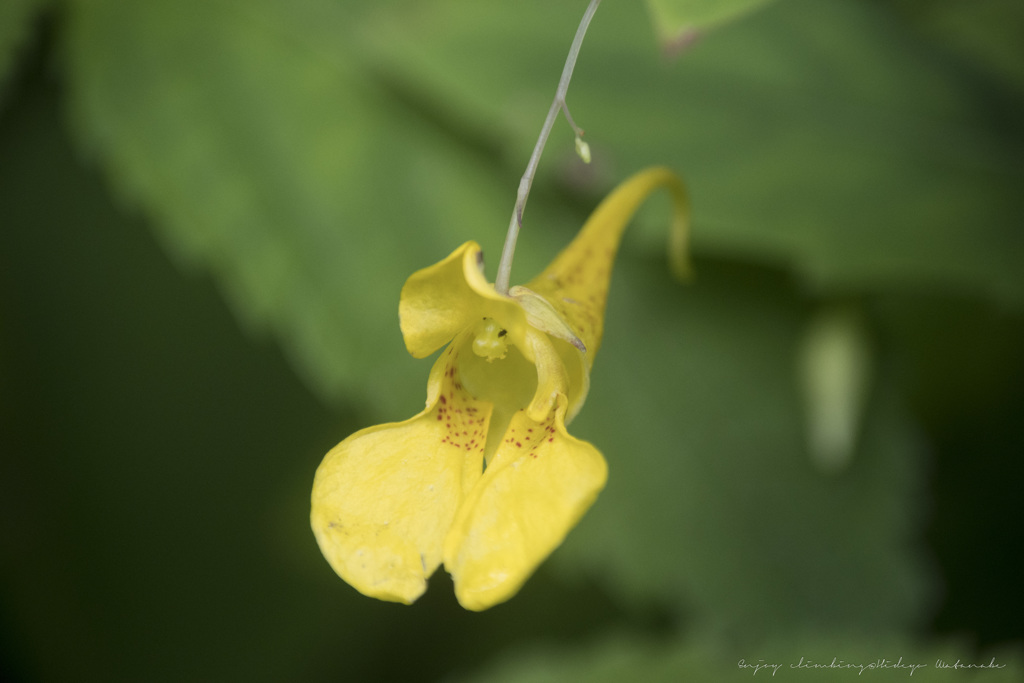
(583,150)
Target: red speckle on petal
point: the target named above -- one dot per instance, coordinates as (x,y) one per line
(518,445)
(551,439)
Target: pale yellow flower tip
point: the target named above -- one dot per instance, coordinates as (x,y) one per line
(835,370)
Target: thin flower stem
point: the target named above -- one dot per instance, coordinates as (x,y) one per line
(568,117)
(505,266)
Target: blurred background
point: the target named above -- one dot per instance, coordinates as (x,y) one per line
(207,212)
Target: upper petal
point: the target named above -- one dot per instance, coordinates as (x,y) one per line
(541,315)
(384,498)
(444,299)
(576,282)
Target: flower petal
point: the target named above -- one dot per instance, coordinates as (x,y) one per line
(543,316)
(578,374)
(539,483)
(446,298)
(576,282)
(384,498)
(538,486)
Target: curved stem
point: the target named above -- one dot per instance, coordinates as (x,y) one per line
(505,266)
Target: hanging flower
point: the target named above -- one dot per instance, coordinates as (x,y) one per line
(486,479)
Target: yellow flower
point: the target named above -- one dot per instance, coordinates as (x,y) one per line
(486,479)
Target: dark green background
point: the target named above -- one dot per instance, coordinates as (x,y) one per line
(158,444)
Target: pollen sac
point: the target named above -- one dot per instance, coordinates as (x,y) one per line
(489,340)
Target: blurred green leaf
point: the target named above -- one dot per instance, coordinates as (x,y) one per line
(266,155)
(673,19)
(16,17)
(313,155)
(714,502)
(818,135)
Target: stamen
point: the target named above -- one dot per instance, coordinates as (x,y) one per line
(489,340)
